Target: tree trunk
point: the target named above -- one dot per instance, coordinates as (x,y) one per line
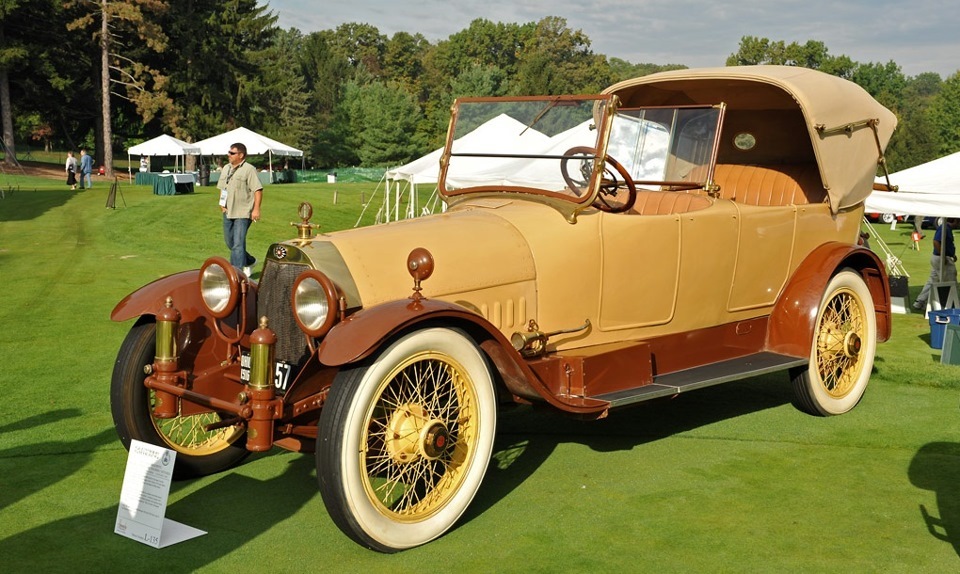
(105,90)
(10,157)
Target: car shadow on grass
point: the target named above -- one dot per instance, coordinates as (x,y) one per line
(233,510)
(936,467)
(527,436)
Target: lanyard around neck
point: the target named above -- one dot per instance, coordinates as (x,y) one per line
(233,170)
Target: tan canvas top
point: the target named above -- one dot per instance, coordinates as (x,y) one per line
(847,157)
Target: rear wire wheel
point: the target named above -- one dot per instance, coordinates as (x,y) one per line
(405,438)
(843,349)
(199,452)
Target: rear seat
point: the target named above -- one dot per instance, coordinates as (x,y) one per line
(667,202)
(775,185)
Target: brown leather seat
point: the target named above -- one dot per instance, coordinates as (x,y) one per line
(667,202)
(773,185)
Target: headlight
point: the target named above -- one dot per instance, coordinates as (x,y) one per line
(219,286)
(314,303)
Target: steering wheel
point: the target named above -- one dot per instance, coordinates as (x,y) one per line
(616,195)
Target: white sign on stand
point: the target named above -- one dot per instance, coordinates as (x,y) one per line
(143,498)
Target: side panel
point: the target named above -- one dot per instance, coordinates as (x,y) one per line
(641,270)
(764,255)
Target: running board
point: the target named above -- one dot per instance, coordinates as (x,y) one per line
(705,376)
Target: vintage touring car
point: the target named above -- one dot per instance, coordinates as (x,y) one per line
(675,231)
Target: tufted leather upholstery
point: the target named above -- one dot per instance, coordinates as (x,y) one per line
(776,185)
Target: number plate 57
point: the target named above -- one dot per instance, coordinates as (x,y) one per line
(283,373)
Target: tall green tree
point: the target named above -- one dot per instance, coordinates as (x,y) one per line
(362,45)
(811,54)
(945,115)
(885,82)
(557,60)
(623,70)
(31,77)
(403,59)
(483,43)
(121,20)
(12,55)
(212,67)
(382,119)
(277,97)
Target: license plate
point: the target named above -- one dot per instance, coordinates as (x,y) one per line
(283,372)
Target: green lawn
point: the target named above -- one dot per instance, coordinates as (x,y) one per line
(730,478)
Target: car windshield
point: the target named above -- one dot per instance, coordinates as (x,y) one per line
(548,145)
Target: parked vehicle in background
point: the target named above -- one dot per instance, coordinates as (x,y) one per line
(883,217)
(676,231)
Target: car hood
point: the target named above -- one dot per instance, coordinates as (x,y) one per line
(473,248)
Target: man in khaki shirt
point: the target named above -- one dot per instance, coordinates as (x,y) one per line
(240,196)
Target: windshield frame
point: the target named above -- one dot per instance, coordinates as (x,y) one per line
(568,205)
(573,199)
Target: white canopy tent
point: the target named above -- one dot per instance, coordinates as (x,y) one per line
(932,188)
(511,136)
(256,145)
(530,172)
(162,146)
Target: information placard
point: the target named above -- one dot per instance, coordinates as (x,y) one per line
(143,498)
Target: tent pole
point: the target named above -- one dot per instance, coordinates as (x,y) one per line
(386,200)
(943,244)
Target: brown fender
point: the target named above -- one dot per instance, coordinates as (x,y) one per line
(795,313)
(184,287)
(363,332)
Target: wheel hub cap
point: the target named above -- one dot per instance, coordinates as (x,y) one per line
(434,440)
(852,345)
(412,434)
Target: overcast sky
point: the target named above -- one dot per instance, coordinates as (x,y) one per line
(919,35)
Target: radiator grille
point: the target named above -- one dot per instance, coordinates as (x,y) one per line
(273,300)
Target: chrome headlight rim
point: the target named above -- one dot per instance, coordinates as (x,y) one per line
(219,287)
(310,291)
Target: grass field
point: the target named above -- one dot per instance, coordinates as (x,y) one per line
(727,479)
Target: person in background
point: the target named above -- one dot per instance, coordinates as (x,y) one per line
(71,168)
(240,196)
(86,169)
(944,251)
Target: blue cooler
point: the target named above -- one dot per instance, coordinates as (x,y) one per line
(938,325)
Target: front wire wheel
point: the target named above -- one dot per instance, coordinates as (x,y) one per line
(199,452)
(843,349)
(405,439)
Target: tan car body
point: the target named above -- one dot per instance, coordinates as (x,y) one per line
(701,283)
(720,245)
